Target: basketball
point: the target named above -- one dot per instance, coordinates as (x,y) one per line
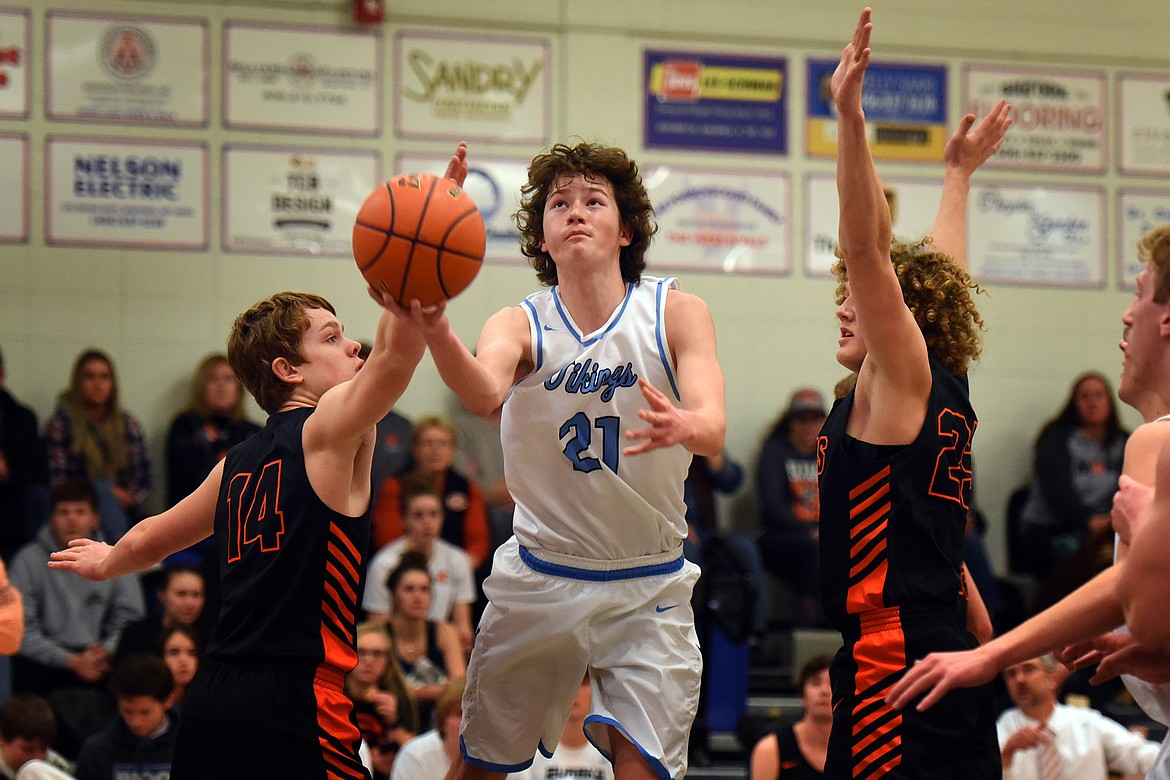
(419,236)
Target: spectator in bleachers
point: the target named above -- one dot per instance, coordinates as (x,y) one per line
(23,465)
(181,598)
(181,648)
(789,503)
(391,446)
(797,750)
(429,755)
(92,437)
(28,729)
(72,625)
(386,713)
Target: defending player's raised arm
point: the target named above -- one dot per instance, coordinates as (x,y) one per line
(892,337)
(147,543)
(700,423)
(348,411)
(965,151)
(481,381)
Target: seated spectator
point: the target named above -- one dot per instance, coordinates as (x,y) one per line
(72,625)
(429,755)
(91,437)
(707,476)
(1077,462)
(453,582)
(574,755)
(798,750)
(386,713)
(789,503)
(23,465)
(181,649)
(1040,734)
(28,729)
(181,601)
(140,741)
(428,651)
(465,522)
(211,424)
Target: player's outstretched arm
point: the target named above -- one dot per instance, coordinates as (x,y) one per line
(700,423)
(147,543)
(1087,612)
(966,150)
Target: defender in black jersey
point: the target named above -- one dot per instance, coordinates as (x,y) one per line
(893,461)
(287,507)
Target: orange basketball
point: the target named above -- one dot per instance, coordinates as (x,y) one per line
(419,236)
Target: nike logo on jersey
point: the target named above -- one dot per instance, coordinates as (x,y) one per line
(588,377)
(665,609)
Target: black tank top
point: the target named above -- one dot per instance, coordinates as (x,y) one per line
(793,765)
(892,518)
(289,564)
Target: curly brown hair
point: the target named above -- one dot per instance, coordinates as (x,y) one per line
(938,293)
(592,161)
(1154,248)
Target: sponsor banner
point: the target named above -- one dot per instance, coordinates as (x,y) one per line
(472,87)
(1058,117)
(494,185)
(1037,235)
(712,102)
(14,41)
(905,111)
(1143,123)
(913,204)
(294,201)
(307,79)
(14,182)
(720,221)
(142,194)
(128,70)
(1138,212)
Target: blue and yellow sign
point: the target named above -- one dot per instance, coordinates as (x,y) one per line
(905,111)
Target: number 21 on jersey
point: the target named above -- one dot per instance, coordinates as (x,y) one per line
(579,430)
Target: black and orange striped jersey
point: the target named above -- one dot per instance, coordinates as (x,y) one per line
(289,564)
(892,517)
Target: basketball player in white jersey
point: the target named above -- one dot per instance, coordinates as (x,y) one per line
(608,382)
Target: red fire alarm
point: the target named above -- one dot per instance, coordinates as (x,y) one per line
(369,11)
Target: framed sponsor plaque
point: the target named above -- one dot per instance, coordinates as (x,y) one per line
(1143,124)
(715,102)
(488,88)
(294,200)
(913,204)
(720,221)
(1037,235)
(137,194)
(1059,117)
(1138,212)
(905,111)
(14,71)
(14,181)
(494,184)
(128,70)
(306,79)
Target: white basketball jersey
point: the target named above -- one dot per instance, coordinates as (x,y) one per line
(563,429)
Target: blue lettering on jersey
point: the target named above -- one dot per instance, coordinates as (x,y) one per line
(587,377)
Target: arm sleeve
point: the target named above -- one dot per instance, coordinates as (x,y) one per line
(729,478)
(36,645)
(1126,752)
(59,447)
(136,478)
(774,492)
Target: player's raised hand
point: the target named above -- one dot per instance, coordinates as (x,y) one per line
(1120,653)
(967,149)
(84,557)
(457,167)
(938,673)
(668,424)
(849,77)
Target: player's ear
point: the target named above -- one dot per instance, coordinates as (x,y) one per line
(1164,321)
(286,372)
(625,236)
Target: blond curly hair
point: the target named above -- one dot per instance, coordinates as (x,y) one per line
(938,293)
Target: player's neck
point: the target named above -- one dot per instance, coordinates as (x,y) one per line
(591,298)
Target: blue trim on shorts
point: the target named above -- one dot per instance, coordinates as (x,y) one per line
(594,575)
(488,765)
(652,761)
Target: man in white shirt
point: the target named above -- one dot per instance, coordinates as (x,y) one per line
(429,755)
(1076,743)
